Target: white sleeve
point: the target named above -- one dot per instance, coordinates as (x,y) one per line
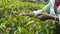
(37,12)
(59,19)
(47,8)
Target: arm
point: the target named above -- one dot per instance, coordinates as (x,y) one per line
(44,17)
(55,17)
(41,16)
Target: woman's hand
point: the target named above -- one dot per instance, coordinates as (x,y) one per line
(22,14)
(26,14)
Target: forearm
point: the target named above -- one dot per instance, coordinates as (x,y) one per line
(57,18)
(48,16)
(53,17)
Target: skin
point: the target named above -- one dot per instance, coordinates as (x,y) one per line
(42,16)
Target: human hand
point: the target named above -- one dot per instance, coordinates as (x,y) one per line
(26,14)
(22,14)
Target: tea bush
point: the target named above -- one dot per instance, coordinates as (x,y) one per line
(12,23)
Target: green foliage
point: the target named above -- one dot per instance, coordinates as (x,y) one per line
(12,23)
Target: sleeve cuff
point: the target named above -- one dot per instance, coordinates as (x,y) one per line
(37,12)
(59,18)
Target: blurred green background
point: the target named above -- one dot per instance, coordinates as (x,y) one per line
(12,23)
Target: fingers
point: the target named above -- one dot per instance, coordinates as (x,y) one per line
(27,14)
(22,14)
